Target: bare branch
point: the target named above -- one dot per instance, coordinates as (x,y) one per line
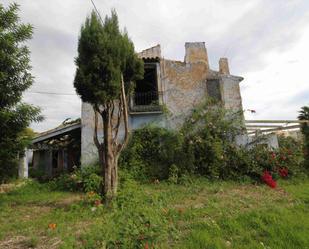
(112,109)
(125,117)
(95,133)
(116,129)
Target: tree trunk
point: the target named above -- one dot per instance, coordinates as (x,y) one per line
(108,155)
(100,147)
(110,150)
(115,176)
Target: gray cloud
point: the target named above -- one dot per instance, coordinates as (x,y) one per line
(270,25)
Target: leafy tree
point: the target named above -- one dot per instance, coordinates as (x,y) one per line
(106,67)
(304,115)
(15,78)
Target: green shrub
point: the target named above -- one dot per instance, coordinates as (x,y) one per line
(173,176)
(290,155)
(38,174)
(66,182)
(205,146)
(209,140)
(152,151)
(84,179)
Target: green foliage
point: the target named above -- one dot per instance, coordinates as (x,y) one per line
(15,78)
(290,155)
(210,133)
(39,174)
(85,179)
(205,146)
(104,55)
(131,223)
(152,151)
(304,115)
(173,176)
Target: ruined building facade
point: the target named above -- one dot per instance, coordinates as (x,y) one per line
(177,86)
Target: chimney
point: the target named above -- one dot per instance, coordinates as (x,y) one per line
(196,52)
(224,66)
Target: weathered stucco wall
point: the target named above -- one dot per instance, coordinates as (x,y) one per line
(184,87)
(231,92)
(89,152)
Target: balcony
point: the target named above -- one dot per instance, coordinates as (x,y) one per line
(146,102)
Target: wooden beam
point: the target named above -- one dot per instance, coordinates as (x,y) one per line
(262,126)
(276,121)
(277,129)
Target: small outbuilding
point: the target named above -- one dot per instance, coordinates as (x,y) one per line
(57,150)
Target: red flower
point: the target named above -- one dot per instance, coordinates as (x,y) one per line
(146,246)
(283,172)
(268,179)
(272,184)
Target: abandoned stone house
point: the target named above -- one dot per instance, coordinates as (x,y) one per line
(176,85)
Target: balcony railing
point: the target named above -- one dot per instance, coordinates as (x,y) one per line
(146,101)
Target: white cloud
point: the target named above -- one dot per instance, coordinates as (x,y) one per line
(282,87)
(264,40)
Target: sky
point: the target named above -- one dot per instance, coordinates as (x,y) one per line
(265,41)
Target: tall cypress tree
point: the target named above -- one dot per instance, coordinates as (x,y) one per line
(15,78)
(107,66)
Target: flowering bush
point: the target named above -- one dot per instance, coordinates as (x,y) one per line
(290,155)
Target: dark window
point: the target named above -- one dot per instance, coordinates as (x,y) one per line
(213,89)
(146,95)
(146,91)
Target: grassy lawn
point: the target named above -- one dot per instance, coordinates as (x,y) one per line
(196,215)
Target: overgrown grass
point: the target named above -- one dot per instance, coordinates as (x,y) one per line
(200,214)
